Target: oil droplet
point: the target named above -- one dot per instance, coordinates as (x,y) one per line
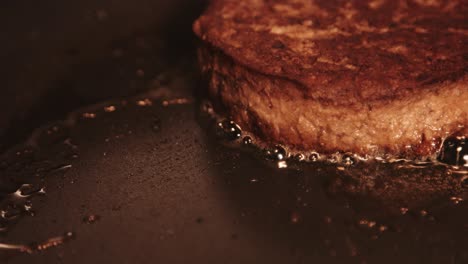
(34,247)
(90,219)
(109,109)
(27,190)
(314,157)
(404,210)
(144,102)
(229,130)
(54,242)
(61,168)
(89,115)
(20,248)
(295,218)
(348,159)
(367,223)
(10,213)
(383,228)
(207,107)
(177,101)
(247,141)
(456,200)
(277,153)
(454,150)
(282,164)
(299,157)
(334,158)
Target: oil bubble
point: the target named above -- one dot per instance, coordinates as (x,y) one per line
(454,150)
(247,141)
(314,157)
(277,153)
(229,130)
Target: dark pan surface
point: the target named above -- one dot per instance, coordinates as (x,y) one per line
(149,183)
(162,188)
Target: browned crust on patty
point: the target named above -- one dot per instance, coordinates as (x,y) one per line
(273,109)
(369,77)
(345,52)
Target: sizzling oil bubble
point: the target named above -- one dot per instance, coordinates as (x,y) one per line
(348,159)
(455,151)
(277,153)
(299,157)
(247,141)
(314,157)
(90,219)
(229,130)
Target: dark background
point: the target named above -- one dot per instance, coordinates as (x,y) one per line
(50,49)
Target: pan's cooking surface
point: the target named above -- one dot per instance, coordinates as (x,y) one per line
(143,181)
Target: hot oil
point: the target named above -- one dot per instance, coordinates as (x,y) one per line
(24,169)
(50,153)
(453,152)
(340,204)
(40,246)
(378,197)
(23,173)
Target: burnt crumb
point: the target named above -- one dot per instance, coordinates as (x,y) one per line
(317,23)
(312,59)
(238,20)
(278,45)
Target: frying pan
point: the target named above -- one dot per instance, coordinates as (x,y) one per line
(107,158)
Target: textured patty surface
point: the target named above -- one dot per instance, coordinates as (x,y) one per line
(369,77)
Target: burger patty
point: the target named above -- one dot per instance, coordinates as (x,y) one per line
(368,77)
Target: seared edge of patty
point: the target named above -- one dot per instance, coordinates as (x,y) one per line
(276,110)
